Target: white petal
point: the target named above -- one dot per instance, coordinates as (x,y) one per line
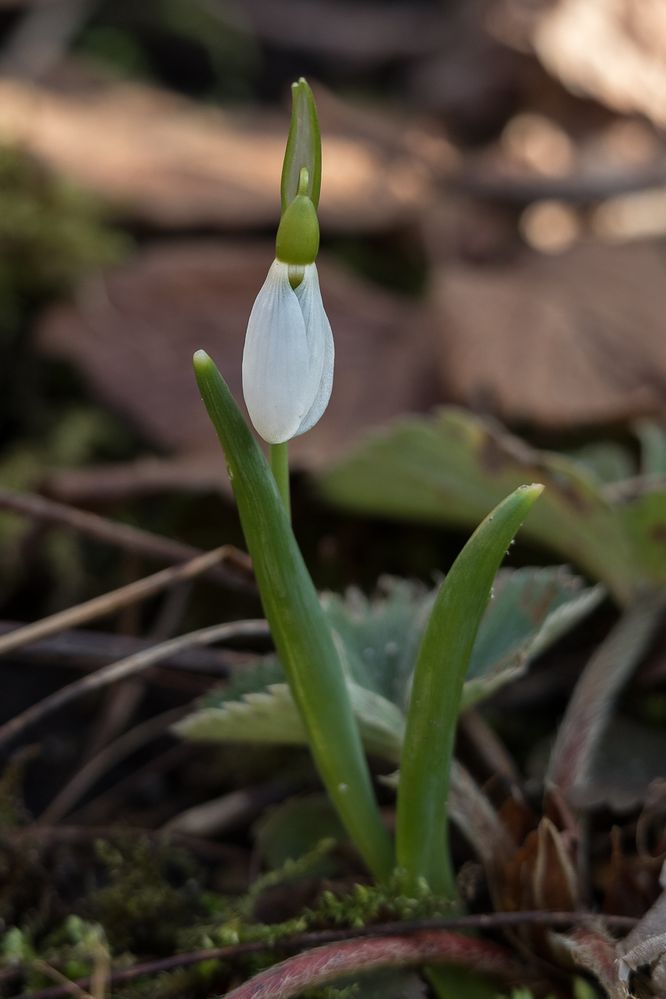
(277,382)
(320,346)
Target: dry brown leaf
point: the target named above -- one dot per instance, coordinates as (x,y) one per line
(133,332)
(374,36)
(556,341)
(611,50)
(171,163)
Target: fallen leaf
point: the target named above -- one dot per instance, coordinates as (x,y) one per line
(611,50)
(452,467)
(373,37)
(556,341)
(133,331)
(171,163)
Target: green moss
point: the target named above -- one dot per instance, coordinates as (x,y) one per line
(51,233)
(152,890)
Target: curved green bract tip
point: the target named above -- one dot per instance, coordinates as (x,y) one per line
(303,147)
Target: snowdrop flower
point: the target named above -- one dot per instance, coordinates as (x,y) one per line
(288,356)
(289,353)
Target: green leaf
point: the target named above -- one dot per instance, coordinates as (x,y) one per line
(652,438)
(296,827)
(270,716)
(378,639)
(442,662)
(453,467)
(299,628)
(642,516)
(606,461)
(529,610)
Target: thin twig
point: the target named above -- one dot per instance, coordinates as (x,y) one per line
(485,921)
(108,757)
(574,189)
(237,574)
(69,987)
(594,696)
(109,603)
(85,650)
(42,37)
(129,667)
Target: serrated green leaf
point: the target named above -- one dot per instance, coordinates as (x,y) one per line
(453,467)
(270,716)
(530,609)
(378,638)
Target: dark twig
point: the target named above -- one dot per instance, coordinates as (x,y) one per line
(129,667)
(574,189)
(236,574)
(485,921)
(43,36)
(594,696)
(107,757)
(109,603)
(85,650)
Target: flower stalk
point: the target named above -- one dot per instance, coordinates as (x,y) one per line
(279,454)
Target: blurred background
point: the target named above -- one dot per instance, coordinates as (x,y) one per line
(493,220)
(493,216)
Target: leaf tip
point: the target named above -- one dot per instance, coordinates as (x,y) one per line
(200,360)
(534,490)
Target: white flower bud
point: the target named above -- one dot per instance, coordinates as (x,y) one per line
(288,356)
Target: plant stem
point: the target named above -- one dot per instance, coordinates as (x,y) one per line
(280,468)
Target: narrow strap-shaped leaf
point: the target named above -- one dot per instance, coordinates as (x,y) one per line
(590,706)
(439,675)
(300,631)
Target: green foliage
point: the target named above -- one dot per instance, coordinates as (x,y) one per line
(291,869)
(652,438)
(377,640)
(298,626)
(295,827)
(439,674)
(51,234)
(363,905)
(453,467)
(128,39)
(150,893)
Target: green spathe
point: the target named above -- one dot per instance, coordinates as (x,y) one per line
(303,147)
